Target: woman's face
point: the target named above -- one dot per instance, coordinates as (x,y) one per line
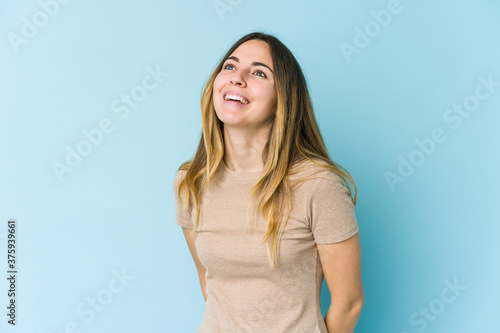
(247,73)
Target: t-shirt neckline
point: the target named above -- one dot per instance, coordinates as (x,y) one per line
(241,176)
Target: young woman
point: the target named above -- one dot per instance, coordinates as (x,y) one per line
(261,151)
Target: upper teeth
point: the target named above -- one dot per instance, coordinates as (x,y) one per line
(235,97)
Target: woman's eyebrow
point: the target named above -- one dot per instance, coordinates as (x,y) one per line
(255,63)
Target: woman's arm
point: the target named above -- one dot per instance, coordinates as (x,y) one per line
(341,263)
(190,239)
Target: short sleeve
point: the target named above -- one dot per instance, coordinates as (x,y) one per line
(331,214)
(182,217)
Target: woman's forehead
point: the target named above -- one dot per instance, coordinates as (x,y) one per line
(253,51)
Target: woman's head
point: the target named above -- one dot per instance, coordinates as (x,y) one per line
(248,74)
(279,99)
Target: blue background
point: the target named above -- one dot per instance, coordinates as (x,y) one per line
(114,212)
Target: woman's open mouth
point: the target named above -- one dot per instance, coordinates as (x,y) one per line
(235,99)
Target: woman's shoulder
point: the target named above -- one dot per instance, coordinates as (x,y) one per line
(179,175)
(307,174)
(308,168)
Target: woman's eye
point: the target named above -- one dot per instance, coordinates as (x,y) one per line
(263,74)
(259,71)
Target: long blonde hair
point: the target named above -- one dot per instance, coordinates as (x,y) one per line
(294,137)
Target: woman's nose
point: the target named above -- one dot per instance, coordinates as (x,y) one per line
(237,78)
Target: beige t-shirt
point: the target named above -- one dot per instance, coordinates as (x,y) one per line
(243,293)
